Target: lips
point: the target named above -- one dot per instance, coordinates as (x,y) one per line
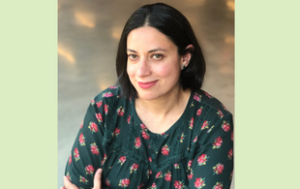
(146,85)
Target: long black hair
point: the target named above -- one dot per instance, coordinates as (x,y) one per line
(177,28)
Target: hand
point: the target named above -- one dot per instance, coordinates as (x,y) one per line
(97,181)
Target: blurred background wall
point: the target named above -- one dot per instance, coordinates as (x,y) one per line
(88,35)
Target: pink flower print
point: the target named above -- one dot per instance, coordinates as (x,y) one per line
(76,154)
(204,125)
(153,186)
(89,170)
(116,132)
(182,137)
(128,120)
(99,104)
(191,123)
(106,108)
(230,154)
(178,184)
(104,159)
(107,94)
(202,159)
(140,186)
(165,150)
(70,159)
(190,164)
(94,148)
(137,143)
(113,87)
(232,136)
(83,180)
(150,159)
(99,117)
(199,183)
(93,102)
(143,127)
(81,139)
(81,125)
(190,176)
(124,182)
(168,176)
(220,113)
(134,167)
(199,111)
(176,166)
(93,127)
(217,143)
(218,169)
(208,95)
(225,126)
(195,139)
(197,97)
(218,186)
(107,182)
(158,175)
(149,172)
(69,177)
(145,135)
(122,160)
(120,111)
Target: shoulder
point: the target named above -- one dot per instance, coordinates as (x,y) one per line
(214,119)
(110,94)
(209,102)
(110,100)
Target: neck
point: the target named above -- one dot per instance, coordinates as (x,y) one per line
(170,103)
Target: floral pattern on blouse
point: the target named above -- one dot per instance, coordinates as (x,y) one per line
(195,152)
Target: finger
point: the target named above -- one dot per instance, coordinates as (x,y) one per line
(68,184)
(97,179)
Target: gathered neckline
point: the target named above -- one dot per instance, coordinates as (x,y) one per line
(175,125)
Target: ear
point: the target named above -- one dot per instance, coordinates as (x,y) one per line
(185,59)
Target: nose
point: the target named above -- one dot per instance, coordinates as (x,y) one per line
(143,68)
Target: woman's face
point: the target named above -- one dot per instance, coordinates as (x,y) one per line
(153,64)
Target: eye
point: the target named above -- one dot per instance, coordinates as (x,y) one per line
(132,56)
(157,56)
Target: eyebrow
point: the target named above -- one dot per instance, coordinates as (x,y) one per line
(158,49)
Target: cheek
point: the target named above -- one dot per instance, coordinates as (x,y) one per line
(130,71)
(168,70)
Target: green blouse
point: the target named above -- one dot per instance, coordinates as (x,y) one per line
(196,152)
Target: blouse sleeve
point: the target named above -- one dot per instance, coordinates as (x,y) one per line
(212,164)
(87,154)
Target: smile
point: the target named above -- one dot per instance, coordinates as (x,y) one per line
(146,85)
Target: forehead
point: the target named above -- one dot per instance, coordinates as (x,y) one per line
(147,38)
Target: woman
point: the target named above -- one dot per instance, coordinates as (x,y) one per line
(156,128)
